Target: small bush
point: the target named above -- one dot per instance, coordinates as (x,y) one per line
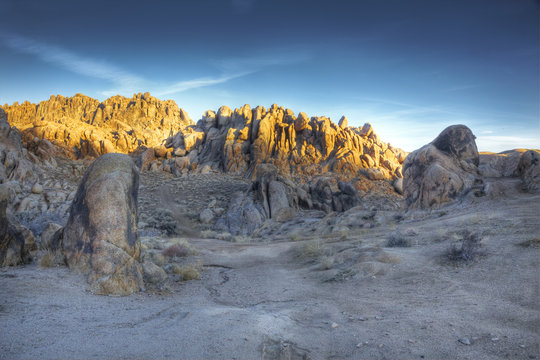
(190,272)
(164,221)
(181,249)
(396,239)
(469,249)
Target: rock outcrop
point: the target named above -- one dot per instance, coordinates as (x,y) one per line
(274,198)
(234,142)
(82,126)
(100,238)
(16,242)
(444,170)
(529,170)
(238,141)
(14,165)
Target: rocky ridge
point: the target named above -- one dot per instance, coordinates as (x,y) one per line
(238,141)
(81,126)
(228,141)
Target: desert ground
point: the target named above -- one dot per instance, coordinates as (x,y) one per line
(385,286)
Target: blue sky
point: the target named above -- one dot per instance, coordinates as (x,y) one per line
(411,68)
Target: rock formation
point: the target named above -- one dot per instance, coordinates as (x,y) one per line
(14,166)
(82,126)
(16,242)
(444,170)
(276,198)
(230,141)
(529,170)
(238,141)
(100,238)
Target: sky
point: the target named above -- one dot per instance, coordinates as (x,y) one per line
(410,68)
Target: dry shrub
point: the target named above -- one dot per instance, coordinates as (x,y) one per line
(469,249)
(189,271)
(164,221)
(51,258)
(396,239)
(180,249)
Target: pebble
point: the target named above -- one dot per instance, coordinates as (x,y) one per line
(378,317)
(465,341)
(494,338)
(37,188)
(334,325)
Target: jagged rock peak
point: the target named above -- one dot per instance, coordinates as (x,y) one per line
(237,141)
(84,126)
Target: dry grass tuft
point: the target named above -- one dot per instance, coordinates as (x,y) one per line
(189,271)
(309,250)
(387,258)
(51,258)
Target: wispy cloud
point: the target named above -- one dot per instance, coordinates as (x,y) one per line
(195,83)
(70,61)
(125,82)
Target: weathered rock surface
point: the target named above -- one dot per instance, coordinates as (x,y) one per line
(504,164)
(238,141)
(444,170)
(229,141)
(16,241)
(100,238)
(14,166)
(529,170)
(274,198)
(82,126)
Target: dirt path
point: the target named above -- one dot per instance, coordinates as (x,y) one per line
(276,301)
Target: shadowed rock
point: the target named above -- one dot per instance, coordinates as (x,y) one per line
(444,170)
(529,170)
(16,241)
(100,238)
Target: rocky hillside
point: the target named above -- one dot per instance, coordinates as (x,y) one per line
(82,126)
(227,141)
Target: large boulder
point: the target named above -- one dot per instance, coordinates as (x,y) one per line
(529,170)
(100,238)
(16,241)
(243,215)
(444,170)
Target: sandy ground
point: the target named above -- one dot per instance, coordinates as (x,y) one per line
(273,301)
